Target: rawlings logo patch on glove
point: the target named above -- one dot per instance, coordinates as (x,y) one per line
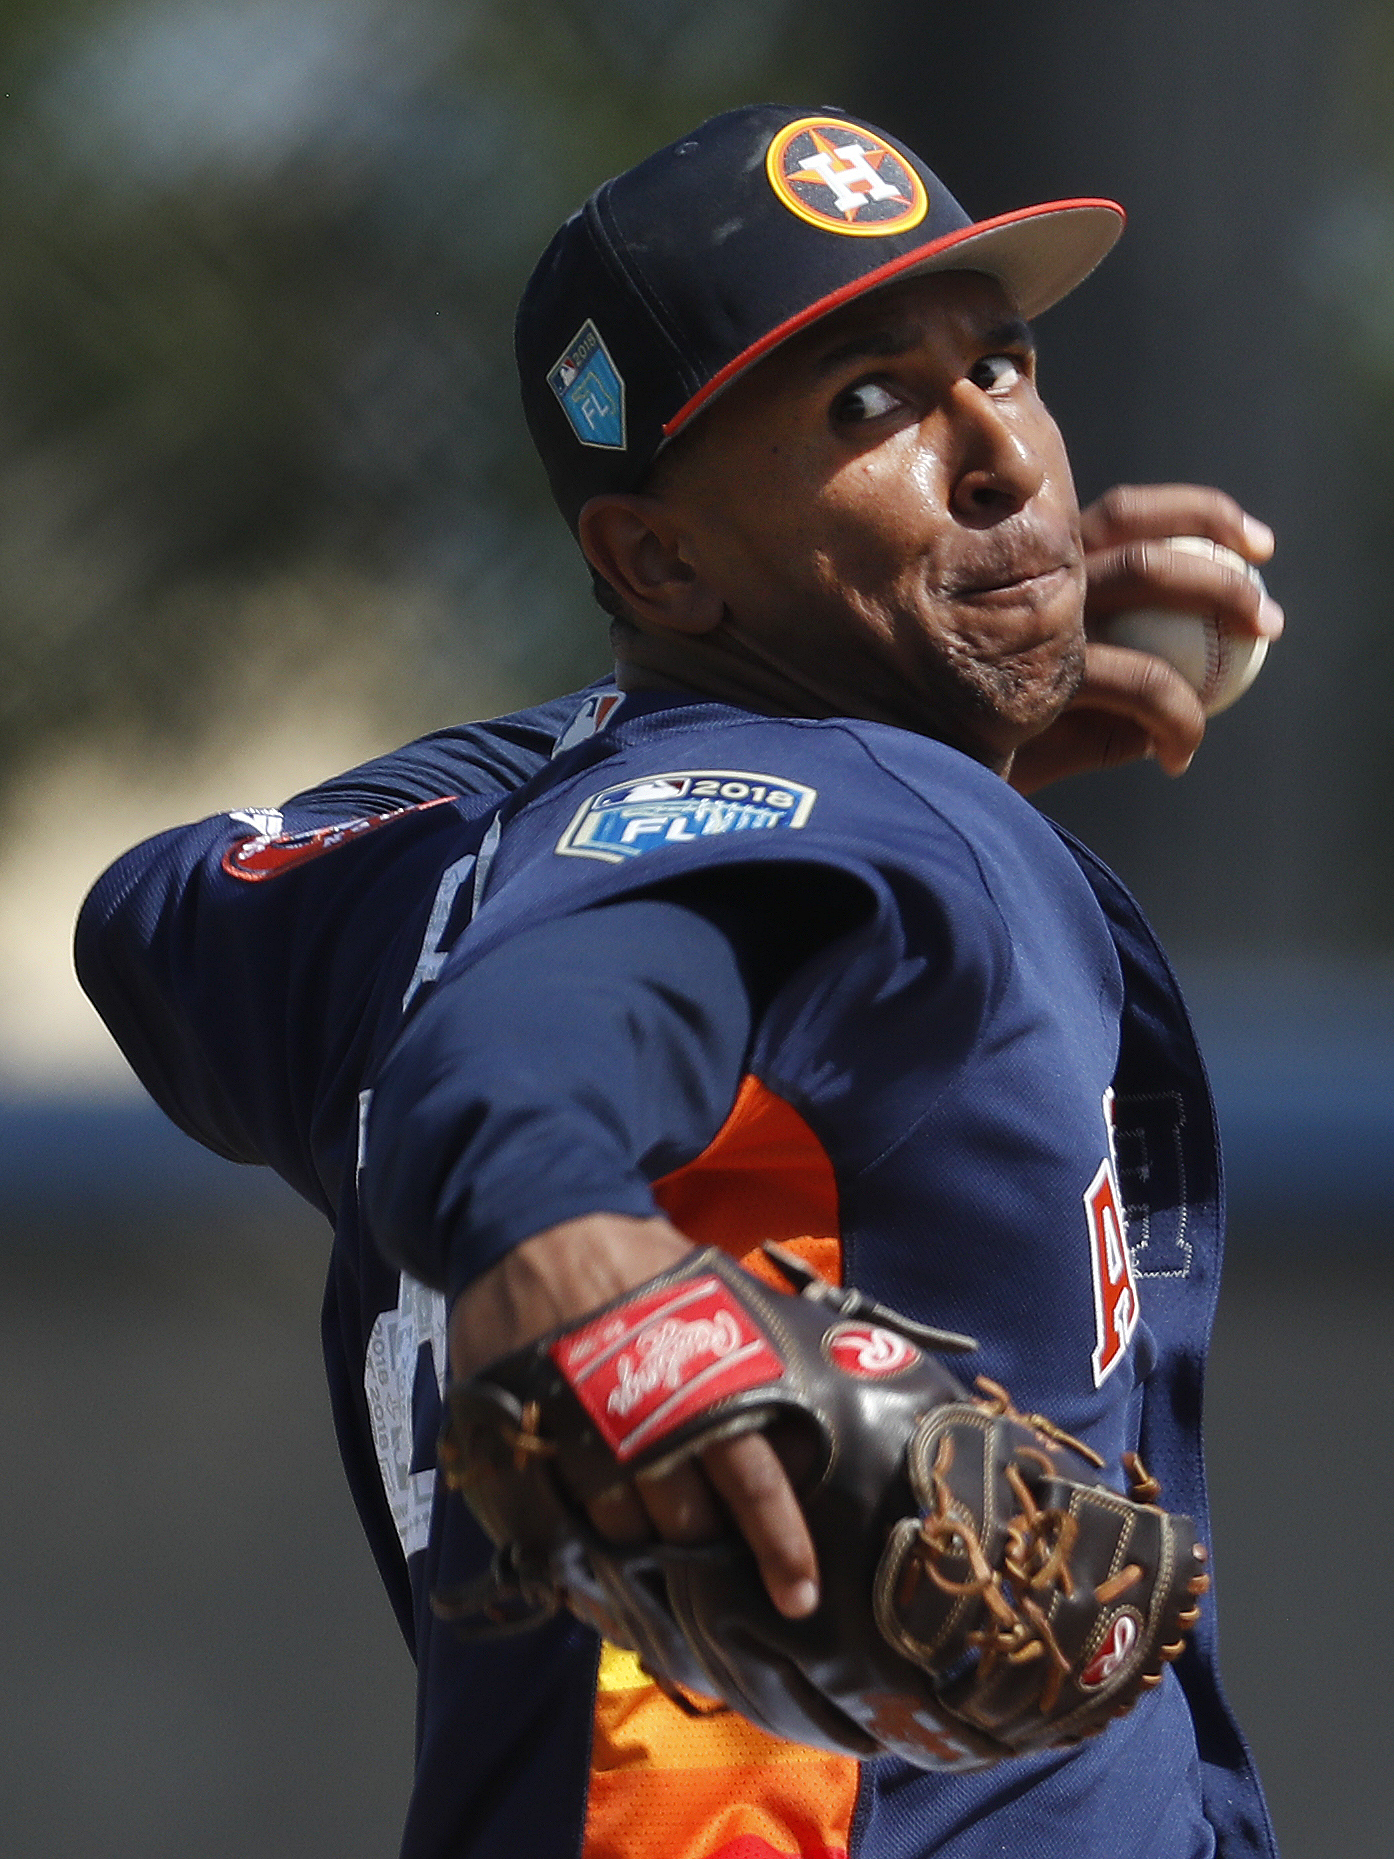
(657,1361)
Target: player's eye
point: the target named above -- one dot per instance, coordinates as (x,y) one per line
(867,400)
(999,373)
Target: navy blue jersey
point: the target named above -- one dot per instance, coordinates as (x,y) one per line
(950,1102)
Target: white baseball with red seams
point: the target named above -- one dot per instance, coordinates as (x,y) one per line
(1218,665)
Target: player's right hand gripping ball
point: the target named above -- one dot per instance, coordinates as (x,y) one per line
(985,1591)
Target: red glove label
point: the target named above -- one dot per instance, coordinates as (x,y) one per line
(643,1370)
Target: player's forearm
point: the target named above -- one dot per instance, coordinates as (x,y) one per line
(553,1278)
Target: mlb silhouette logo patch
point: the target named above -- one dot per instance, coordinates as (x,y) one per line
(591,390)
(844,179)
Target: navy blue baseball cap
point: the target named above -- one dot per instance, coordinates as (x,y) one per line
(680,274)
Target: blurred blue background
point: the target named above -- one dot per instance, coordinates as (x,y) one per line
(268,507)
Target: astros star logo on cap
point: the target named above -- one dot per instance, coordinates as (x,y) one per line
(844,178)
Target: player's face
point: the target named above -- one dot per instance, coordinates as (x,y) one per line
(886,510)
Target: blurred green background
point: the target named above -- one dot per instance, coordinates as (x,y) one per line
(267,506)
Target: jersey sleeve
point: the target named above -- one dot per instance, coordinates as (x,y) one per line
(576,1063)
(570,1067)
(248,1005)
(246,996)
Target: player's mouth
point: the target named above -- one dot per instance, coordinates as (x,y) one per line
(1031,587)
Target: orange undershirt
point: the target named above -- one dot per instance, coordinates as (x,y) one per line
(665,1785)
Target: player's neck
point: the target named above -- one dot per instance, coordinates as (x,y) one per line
(724,667)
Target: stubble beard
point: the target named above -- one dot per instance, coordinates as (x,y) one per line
(984,704)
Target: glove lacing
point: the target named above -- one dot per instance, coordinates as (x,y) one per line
(1038,1543)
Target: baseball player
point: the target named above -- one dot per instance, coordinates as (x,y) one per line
(758,942)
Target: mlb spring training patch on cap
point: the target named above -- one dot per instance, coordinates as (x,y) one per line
(634,817)
(591,390)
(844,178)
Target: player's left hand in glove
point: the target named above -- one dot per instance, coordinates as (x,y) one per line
(984,1591)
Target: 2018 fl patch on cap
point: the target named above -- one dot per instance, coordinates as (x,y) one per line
(588,385)
(682,273)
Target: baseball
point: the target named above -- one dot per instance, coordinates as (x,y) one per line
(1219,665)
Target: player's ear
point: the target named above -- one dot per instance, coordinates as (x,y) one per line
(632,541)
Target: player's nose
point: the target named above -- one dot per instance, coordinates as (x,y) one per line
(998,468)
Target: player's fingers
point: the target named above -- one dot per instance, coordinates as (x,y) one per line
(677,1505)
(1146,692)
(1079,742)
(680,1504)
(1148,573)
(757,1492)
(1135,512)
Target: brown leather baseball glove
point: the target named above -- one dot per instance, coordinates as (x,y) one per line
(985,1591)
